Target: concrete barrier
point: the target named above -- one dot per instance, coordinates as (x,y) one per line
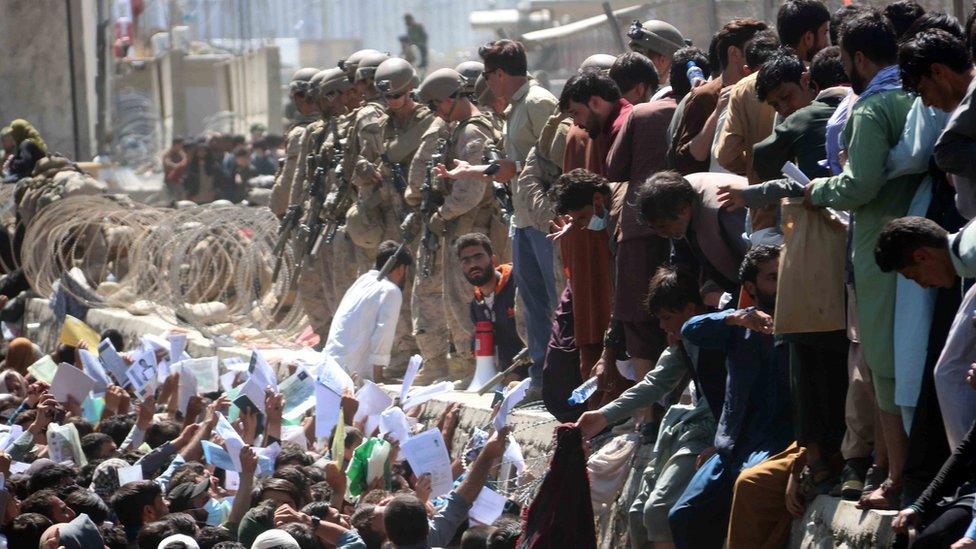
(830,522)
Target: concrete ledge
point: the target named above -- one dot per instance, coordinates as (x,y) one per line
(831,522)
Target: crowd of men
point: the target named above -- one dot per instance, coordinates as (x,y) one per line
(644,213)
(755,256)
(219,166)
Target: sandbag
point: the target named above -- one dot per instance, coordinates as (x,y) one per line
(608,468)
(810,286)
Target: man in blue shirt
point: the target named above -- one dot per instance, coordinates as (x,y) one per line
(756,416)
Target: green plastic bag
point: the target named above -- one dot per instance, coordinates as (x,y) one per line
(358,470)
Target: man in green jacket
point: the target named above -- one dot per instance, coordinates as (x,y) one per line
(877,118)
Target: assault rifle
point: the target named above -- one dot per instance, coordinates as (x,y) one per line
(430,200)
(338,202)
(503,195)
(316,196)
(287,225)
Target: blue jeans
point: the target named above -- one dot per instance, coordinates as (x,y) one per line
(536,281)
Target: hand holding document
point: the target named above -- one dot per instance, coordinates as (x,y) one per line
(427,453)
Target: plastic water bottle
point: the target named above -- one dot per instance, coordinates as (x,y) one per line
(582,393)
(694,73)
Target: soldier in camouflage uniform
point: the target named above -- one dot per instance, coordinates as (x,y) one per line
(345,269)
(365,221)
(469,205)
(427,307)
(299,88)
(315,284)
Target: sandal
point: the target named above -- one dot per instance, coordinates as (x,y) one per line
(816,479)
(886,498)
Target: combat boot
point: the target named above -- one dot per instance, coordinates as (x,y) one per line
(460,369)
(432,371)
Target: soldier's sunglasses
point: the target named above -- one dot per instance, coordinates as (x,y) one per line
(397,95)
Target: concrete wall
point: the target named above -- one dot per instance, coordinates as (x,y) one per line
(37,75)
(251,87)
(192,94)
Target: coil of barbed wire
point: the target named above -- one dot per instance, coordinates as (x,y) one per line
(173,259)
(92,233)
(523,487)
(224,254)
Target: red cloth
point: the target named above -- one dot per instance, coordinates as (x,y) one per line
(561,516)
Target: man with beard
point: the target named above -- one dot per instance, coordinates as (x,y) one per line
(803,26)
(362,331)
(756,420)
(593,100)
(494,297)
(877,119)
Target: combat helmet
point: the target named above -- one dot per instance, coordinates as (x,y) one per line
(655,36)
(469,71)
(395,75)
(351,63)
(440,85)
(368,64)
(330,81)
(598,61)
(301,81)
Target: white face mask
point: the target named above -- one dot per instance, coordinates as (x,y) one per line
(217,511)
(598,223)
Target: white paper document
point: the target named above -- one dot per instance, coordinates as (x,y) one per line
(113,362)
(177,344)
(251,394)
(95,370)
(488,507)
(43,369)
(427,453)
(70,382)
(394,421)
(228,380)
(298,391)
(333,376)
(232,480)
(327,404)
(294,433)
(7,439)
(511,399)
(142,373)
(412,368)
(205,370)
(372,400)
(129,474)
(262,372)
(232,441)
(376,462)
(421,395)
(793,172)
(187,388)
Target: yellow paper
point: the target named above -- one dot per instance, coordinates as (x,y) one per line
(339,440)
(75,330)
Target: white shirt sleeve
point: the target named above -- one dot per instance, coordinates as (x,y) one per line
(387,316)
